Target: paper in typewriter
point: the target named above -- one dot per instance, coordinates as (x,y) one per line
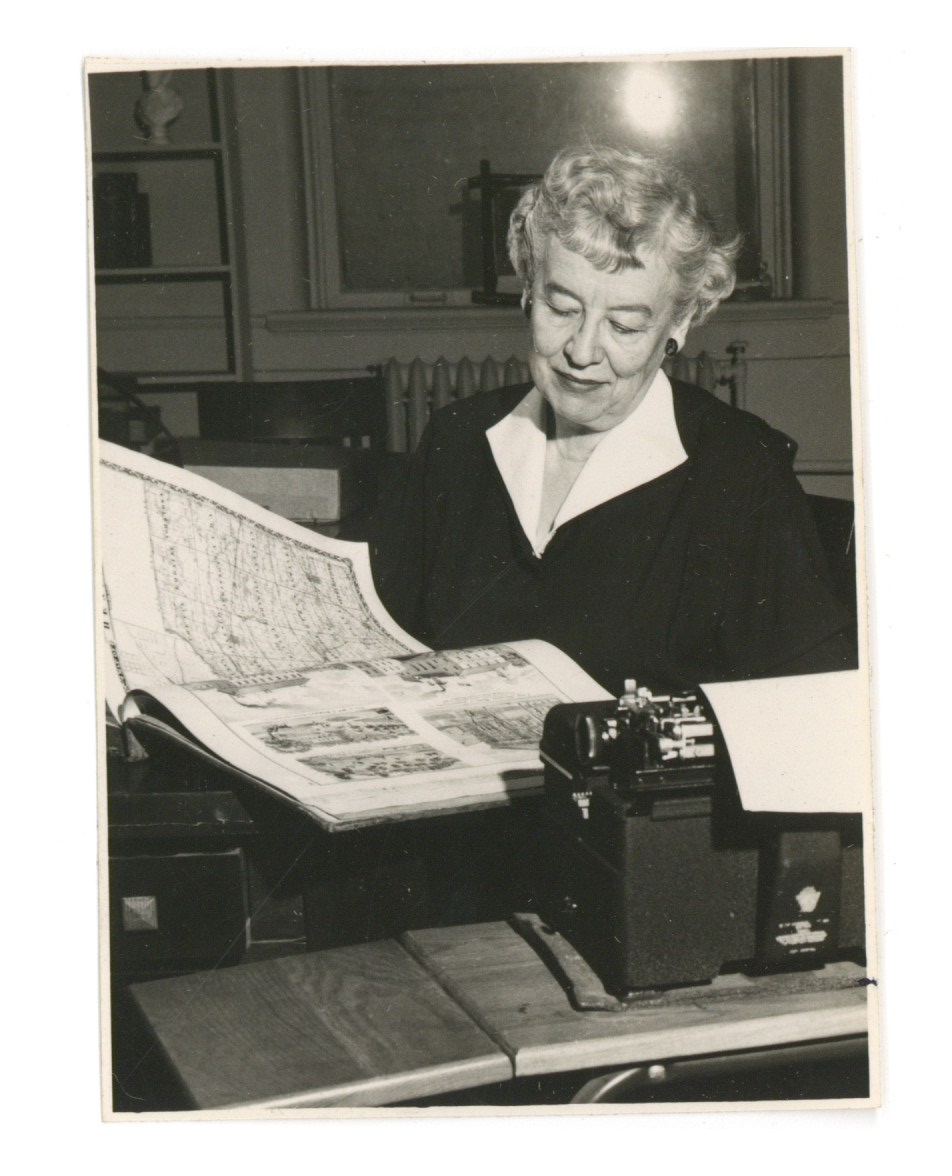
(796,743)
(268,643)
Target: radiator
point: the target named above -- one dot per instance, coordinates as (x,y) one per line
(412,390)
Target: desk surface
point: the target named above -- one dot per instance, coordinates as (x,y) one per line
(356,1026)
(449,1009)
(498,978)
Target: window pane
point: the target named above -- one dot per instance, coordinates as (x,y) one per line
(406,139)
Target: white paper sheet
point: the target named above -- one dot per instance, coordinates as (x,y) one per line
(798,744)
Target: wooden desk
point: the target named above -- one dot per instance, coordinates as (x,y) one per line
(449,1009)
(498,978)
(355,1026)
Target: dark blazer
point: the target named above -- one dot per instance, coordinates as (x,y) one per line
(711,572)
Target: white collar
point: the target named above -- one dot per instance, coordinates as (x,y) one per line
(643,447)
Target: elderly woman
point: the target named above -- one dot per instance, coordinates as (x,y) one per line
(644,527)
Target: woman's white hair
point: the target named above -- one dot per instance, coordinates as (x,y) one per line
(611,206)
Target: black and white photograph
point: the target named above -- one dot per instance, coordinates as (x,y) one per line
(480,549)
(238,583)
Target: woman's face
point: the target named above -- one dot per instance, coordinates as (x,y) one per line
(598,338)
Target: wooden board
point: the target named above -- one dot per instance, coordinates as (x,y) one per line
(356,1026)
(508,990)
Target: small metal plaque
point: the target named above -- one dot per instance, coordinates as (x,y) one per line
(140,913)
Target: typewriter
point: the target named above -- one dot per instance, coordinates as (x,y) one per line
(654,872)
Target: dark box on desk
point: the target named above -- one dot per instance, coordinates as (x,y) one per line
(177,911)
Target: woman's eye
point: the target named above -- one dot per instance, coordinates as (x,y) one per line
(621,329)
(561,311)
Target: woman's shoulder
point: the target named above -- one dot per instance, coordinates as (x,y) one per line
(713,429)
(478,412)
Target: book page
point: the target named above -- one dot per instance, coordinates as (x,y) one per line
(200,584)
(268,643)
(367,738)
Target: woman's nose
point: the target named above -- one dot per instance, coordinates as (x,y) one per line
(582,349)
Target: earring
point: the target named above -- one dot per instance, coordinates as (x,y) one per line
(527,306)
(671,347)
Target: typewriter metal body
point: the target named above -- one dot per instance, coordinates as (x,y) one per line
(654,872)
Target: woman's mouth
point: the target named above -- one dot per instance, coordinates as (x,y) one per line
(577,383)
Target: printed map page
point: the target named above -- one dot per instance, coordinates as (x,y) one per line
(268,643)
(202,585)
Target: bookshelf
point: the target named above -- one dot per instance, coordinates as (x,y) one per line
(171,293)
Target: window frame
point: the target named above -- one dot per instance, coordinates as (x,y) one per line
(769,175)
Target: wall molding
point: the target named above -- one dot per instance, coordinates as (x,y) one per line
(413,318)
(449,318)
(820,466)
(171,322)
